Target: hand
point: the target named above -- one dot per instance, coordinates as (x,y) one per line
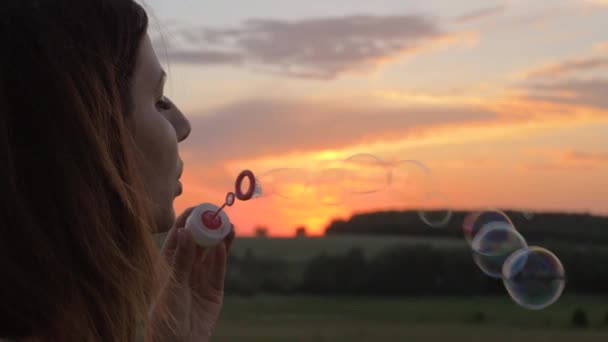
(195,297)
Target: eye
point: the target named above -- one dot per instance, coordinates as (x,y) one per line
(164,103)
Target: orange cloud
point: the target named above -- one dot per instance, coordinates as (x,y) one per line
(603,46)
(599,3)
(263,135)
(264,128)
(567,67)
(549,159)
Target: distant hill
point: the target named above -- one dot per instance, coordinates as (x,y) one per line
(541,228)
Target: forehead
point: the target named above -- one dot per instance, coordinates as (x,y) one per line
(148,67)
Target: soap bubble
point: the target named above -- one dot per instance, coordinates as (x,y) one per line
(494,243)
(438,215)
(287,183)
(410,182)
(330,185)
(473,222)
(230,199)
(366,174)
(534,277)
(528,215)
(258,191)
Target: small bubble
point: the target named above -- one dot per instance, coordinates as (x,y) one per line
(438,215)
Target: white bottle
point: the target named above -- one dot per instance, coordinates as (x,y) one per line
(208,231)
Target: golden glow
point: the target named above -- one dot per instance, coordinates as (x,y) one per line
(512,151)
(466,178)
(601,46)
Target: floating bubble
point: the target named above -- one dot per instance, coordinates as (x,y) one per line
(366,174)
(473,222)
(258,191)
(287,183)
(494,243)
(534,277)
(410,182)
(230,199)
(528,215)
(329,185)
(438,215)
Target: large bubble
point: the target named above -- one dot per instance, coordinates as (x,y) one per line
(330,185)
(287,183)
(365,173)
(494,243)
(410,182)
(534,277)
(474,222)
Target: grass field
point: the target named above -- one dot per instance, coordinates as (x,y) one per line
(269,318)
(375,319)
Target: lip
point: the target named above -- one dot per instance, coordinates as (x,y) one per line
(181,170)
(179,189)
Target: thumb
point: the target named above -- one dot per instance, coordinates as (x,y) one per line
(184,256)
(170,243)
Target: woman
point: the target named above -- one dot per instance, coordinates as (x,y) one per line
(89,171)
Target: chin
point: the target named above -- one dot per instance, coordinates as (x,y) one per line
(165,220)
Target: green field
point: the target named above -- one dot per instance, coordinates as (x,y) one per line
(296,318)
(432,318)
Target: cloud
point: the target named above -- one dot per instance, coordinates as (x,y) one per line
(590,93)
(481,14)
(599,3)
(568,67)
(575,156)
(263,127)
(602,46)
(562,160)
(319,48)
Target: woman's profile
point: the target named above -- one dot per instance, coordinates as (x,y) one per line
(90,168)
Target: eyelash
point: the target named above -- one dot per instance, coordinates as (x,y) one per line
(164,103)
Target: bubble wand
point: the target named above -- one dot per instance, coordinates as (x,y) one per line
(209,223)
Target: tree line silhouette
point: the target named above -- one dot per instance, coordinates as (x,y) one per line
(542,227)
(579,240)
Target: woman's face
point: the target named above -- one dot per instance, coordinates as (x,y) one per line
(159,126)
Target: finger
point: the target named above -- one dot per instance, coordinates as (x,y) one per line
(229,239)
(201,271)
(180,221)
(197,267)
(184,256)
(170,244)
(217,268)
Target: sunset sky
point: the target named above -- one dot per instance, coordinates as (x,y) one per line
(506,102)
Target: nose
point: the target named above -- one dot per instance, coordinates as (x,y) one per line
(181,125)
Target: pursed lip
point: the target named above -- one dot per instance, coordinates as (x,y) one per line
(180,170)
(179,189)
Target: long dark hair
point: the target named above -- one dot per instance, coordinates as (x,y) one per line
(77,259)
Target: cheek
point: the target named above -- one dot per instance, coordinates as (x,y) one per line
(158,146)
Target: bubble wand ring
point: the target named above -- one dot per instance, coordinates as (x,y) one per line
(210,224)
